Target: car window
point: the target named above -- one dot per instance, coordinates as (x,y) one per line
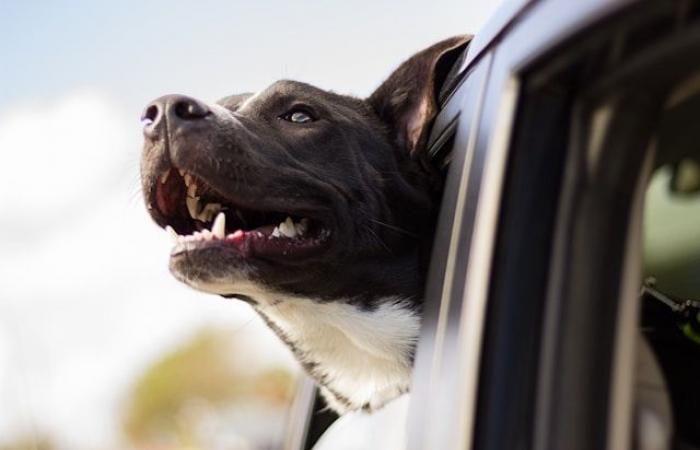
(670,320)
(436,372)
(672,230)
(563,375)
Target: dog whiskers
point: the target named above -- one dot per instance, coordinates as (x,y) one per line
(379,240)
(393,227)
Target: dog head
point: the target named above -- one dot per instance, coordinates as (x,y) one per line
(316,208)
(316,193)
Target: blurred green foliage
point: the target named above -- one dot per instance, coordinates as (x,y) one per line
(202,375)
(29,443)
(672,238)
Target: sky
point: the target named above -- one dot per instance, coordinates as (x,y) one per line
(86,301)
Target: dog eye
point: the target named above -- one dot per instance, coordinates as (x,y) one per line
(298,116)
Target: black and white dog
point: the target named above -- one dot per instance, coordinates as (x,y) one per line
(318,209)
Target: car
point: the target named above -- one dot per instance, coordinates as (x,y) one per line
(561,307)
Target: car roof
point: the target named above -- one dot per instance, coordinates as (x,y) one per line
(505,15)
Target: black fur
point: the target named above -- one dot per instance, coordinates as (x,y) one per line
(354,168)
(359,168)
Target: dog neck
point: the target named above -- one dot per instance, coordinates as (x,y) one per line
(361,356)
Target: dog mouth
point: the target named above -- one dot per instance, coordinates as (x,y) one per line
(199,217)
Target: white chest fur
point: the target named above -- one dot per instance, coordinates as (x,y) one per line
(361,357)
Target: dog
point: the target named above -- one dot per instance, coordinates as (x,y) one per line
(317,209)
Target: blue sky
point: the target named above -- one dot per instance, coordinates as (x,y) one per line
(137,50)
(86,300)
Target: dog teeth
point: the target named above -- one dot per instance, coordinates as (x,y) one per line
(205,214)
(191,200)
(191,189)
(302,226)
(287,228)
(208,212)
(219,227)
(173,234)
(290,229)
(193,206)
(218,231)
(164,177)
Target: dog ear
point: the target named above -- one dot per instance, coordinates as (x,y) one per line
(407,100)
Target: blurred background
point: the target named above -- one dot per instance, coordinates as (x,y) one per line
(100,348)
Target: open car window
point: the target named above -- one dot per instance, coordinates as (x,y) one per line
(548,347)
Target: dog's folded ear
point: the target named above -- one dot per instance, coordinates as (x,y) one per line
(407,101)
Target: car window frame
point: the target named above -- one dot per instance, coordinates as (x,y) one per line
(532,40)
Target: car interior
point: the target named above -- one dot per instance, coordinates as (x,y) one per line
(668,400)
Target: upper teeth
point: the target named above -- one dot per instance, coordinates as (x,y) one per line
(172,232)
(191,187)
(206,214)
(193,206)
(192,200)
(203,214)
(219,227)
(290,229)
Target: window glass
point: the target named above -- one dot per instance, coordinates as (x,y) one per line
(670,319)
(672,230)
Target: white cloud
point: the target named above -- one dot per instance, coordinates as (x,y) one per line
(84,309)
(60,151)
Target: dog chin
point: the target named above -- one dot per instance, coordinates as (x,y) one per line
(377,343)
(234,285)
(208,270)
(375,364)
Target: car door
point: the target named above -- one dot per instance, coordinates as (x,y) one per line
(540,340)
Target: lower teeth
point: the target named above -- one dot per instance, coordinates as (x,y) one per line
(287,229)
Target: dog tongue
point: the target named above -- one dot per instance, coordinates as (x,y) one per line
(167,194)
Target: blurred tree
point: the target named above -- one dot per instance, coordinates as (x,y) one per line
(29,443)
(167,403)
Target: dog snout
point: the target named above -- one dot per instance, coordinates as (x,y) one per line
(173,111)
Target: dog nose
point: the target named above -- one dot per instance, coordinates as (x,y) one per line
(176,110)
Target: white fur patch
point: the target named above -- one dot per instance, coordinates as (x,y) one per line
(361,357)
(365,356)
